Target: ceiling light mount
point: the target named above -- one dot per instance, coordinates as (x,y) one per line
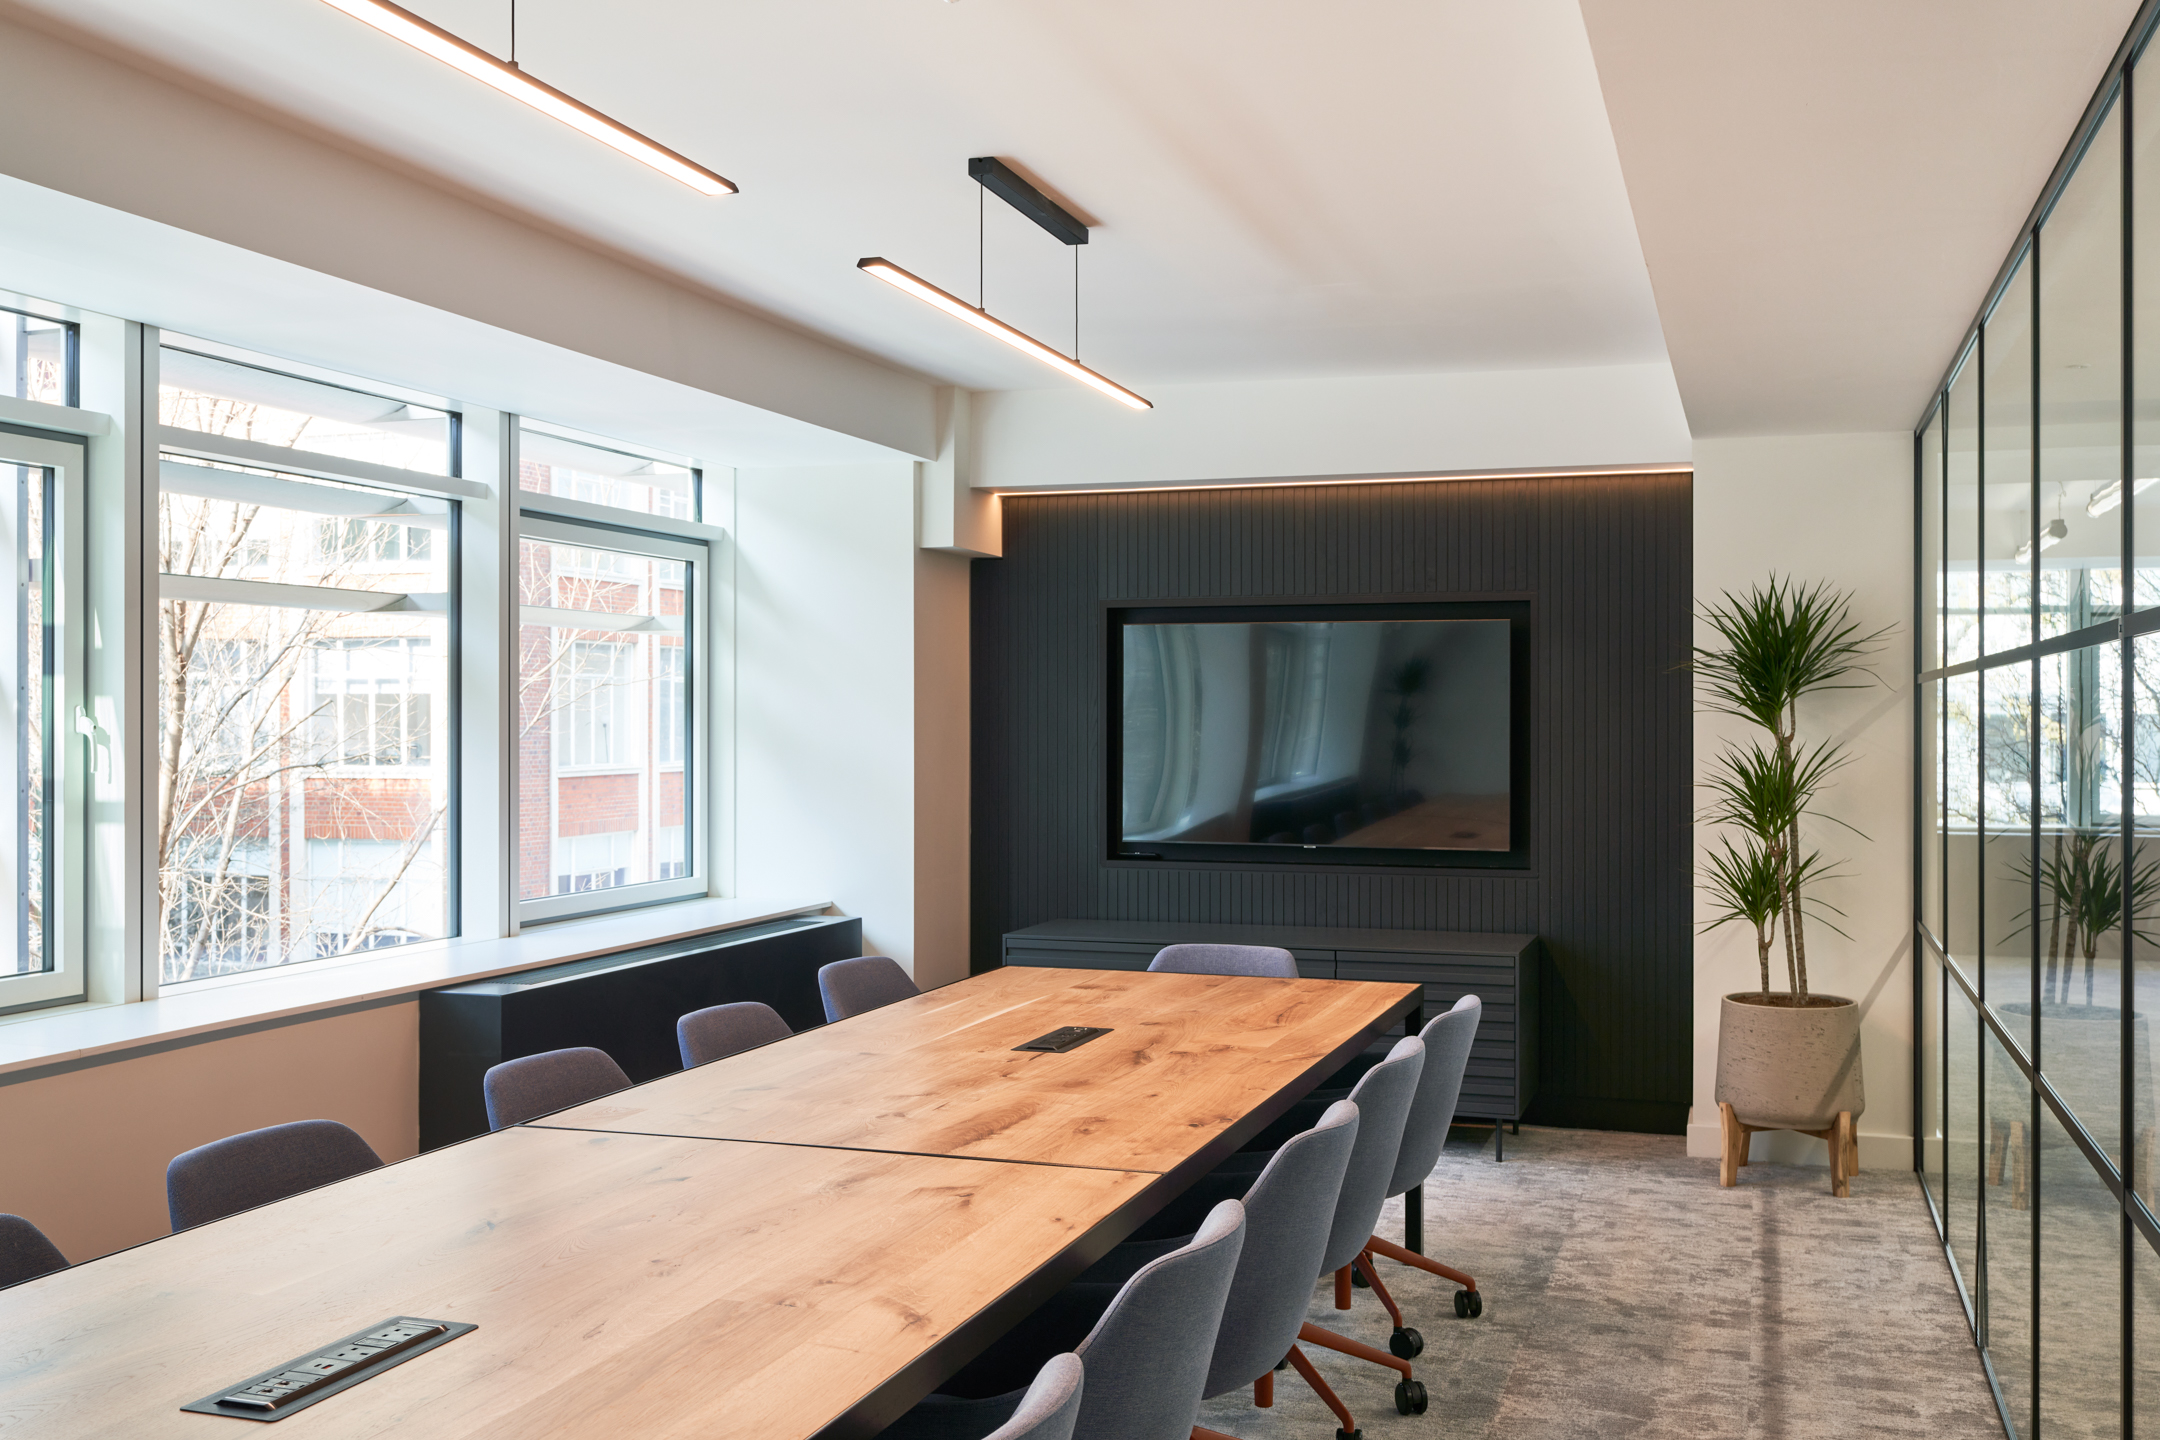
(1006,183)
(431,40)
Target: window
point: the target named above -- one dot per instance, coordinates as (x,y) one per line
(303,631)
(37,358)
(552,463)
(606,708)
(41,515)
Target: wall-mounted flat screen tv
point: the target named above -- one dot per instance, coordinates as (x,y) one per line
(1377,735)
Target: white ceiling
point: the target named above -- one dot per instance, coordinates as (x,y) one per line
(1824,190)
(1281,189)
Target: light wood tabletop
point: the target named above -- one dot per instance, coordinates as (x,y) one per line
(623,1285)
(1195,1064)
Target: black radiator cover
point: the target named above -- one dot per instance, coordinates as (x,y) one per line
(625,1003)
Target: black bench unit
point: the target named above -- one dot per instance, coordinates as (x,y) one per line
(625,1003)
(1501,970)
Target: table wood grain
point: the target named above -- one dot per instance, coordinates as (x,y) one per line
(1194,1064)
(624,1285)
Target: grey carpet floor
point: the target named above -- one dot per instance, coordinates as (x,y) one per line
(1628,1295)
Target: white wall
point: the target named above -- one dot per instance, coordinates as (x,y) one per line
(1595,417)
(1835,508)
(850,666)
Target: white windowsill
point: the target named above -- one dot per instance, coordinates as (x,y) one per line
(84,1032)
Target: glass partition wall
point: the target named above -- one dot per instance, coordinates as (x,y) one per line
(2037,763)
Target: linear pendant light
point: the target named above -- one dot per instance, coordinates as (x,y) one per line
(989,324)
(428,39)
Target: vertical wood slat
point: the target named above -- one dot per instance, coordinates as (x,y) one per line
(1608,562)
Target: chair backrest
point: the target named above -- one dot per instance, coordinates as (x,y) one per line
(25,1253)
(1447,1038)
(1289,1215)
(530,1085)
(1383,1102)
(1147,1358)
(868,982)
(719,1031)
(1051,1405)
(1260,960)
(256,1167)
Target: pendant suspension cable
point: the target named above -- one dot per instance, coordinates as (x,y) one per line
(1076,301)
(513,34)
(979,248)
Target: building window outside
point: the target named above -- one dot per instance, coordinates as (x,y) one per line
(551,463)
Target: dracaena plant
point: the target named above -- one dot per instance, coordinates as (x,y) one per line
(1772,648)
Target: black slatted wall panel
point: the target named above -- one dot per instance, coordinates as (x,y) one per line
(1606,561)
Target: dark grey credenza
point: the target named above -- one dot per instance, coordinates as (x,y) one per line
(1501,970)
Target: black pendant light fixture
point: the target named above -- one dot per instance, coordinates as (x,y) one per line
(998,178)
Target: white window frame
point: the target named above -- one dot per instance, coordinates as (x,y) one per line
(552,520)
(73,732)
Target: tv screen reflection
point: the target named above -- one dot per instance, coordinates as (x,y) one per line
(1377,734)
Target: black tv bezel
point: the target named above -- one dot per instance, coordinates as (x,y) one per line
(1176,854)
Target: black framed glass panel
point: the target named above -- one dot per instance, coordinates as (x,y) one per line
(1961,513)
(2007,1224)
(2081,1290)
(2008,533)
(1962,1150)
(2009,884)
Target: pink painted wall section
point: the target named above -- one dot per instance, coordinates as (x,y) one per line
(83,1153)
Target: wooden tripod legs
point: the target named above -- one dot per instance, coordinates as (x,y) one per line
(1841,1134)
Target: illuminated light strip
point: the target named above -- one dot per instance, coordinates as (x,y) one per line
(1115,489)
(982,320)
(410,28)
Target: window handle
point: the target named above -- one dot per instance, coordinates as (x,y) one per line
(100,743)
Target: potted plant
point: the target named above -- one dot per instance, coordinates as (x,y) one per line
(1787,1060)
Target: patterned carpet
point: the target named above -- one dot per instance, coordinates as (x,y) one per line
(1629,1295)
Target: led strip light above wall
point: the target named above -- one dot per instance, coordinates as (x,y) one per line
(442,45)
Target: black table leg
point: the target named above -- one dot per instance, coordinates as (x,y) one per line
(1499,1145)
(1413,1219)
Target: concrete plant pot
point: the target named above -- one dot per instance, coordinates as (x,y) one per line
(1788,1067)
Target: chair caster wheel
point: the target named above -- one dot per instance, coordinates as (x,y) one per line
(1410,1397)
(1357,1278)
(1406,1344)
(1468,1304)
(1283,1364)
(1342,1434)
(1477,1304)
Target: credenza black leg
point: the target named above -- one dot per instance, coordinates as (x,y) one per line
(1413,1219)
(1499,1143)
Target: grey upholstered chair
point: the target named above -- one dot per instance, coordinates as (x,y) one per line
(1051,1405)
(1383,1099)
(25,1253)
(1448,1037)
(1145,1361)
(868,982)
(1258,960)
(259,1166)
(719,1031)
(517,1090)
(1289,1217)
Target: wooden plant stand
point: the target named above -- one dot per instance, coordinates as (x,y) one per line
(1843,1139)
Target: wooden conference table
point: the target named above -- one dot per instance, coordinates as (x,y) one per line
(800,1241)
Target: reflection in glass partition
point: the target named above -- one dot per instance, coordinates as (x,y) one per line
(2080,1329)
(1931,1073)
(2007,853)
(2085,893)
(2144,500)
(1961,515)
(1962,1150)
(2145,939)
(2007,536)
(2007,1196)
(2145,1334)
(1931,543)
(552,464)
(2081,393)
(217,396)
(1389,734)
(1961,821)
(1929,834)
